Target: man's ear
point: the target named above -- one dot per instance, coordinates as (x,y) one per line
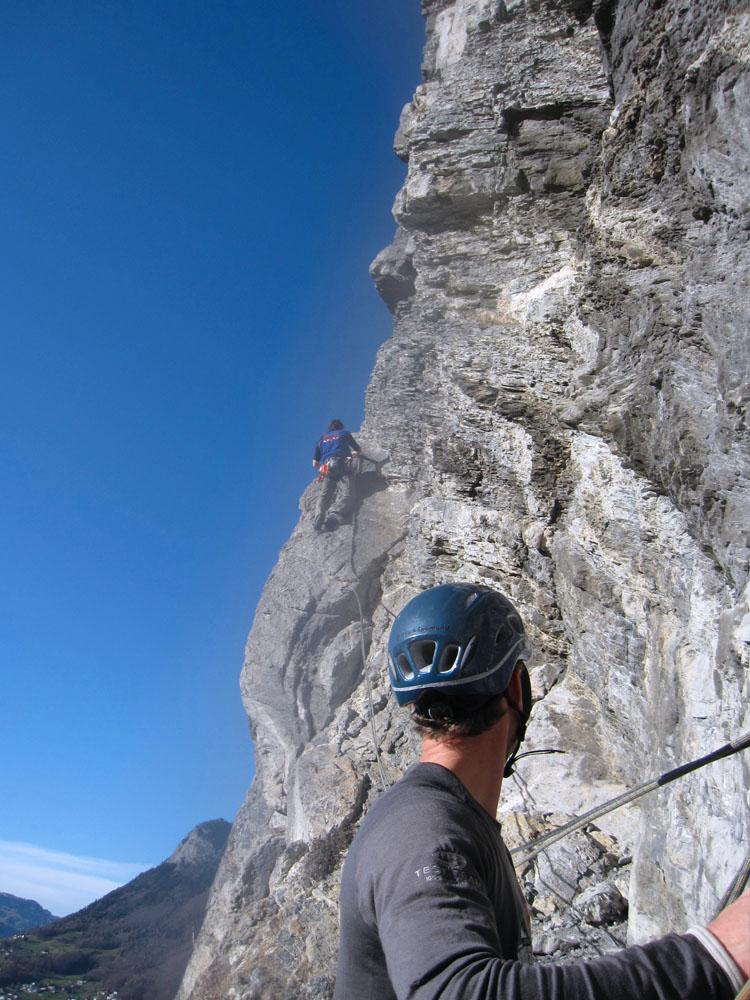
(515,688)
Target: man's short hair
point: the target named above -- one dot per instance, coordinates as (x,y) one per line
(335,425)
(444,717)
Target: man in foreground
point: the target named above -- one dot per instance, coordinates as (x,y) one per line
(332,459)
(430,905)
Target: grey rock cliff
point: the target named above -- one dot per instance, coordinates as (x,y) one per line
(562,407)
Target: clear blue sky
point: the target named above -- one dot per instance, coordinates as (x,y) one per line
(191,195)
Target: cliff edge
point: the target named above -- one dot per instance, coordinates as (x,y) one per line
(560,412)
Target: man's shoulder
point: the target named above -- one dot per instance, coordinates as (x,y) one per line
(421,779)
(425,828)
(427,797)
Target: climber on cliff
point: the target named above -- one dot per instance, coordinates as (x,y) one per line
(430,904)
(333,457)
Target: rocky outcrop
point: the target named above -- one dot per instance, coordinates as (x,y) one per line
(203,846)
(561,413)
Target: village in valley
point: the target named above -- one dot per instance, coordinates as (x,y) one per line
(72,991)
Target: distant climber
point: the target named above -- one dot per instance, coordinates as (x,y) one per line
(333,458)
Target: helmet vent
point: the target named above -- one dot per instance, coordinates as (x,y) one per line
(503,634)
(449,658)
(470,598)
(404,667)
(423,654)
(469,651)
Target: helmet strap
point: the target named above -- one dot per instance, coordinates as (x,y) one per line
(520,735)
(523,711)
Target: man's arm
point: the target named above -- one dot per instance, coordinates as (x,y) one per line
(440,939)
(353,446)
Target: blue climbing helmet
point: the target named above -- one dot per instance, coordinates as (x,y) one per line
(461,638)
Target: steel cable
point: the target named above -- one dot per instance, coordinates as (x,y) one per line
(532,848)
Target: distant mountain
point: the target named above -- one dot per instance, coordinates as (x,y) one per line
(18,914)
(136,939)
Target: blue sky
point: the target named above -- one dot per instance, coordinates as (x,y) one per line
(192,193)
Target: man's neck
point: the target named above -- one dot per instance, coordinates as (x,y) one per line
(477,762)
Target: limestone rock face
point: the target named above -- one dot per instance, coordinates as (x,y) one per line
(561,413)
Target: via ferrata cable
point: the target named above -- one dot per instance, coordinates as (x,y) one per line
(532,848)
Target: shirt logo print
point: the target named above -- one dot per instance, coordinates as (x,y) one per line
(448,868)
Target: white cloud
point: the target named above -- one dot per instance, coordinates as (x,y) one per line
(62,883)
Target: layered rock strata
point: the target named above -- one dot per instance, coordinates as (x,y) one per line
(561,412)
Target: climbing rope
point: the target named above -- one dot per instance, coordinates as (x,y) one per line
(355,474)
(737,887)
(386,784)
(532,848)
(352,586)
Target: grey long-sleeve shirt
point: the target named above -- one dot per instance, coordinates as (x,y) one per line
(431,908)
